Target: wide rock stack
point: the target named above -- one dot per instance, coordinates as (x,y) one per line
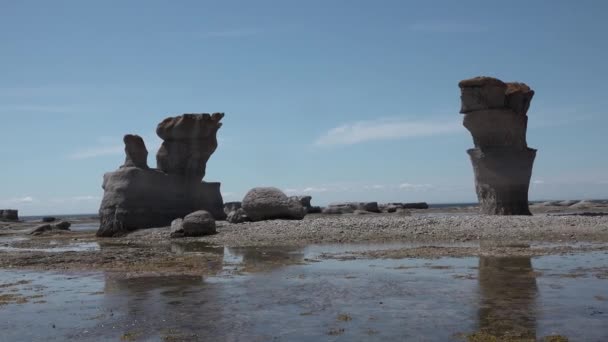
(9,214)
(496,115)
(136,196)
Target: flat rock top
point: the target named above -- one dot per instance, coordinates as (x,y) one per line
(514,87)
(189,126)
(481,81)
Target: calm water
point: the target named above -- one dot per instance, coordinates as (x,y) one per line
(289,295)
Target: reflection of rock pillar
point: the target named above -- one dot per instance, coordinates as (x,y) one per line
(507,287)
(496,115)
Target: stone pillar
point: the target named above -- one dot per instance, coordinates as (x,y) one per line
(9,214)
(188,142)
(135,151)
(496,115)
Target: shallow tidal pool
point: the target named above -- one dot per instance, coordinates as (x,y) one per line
(279,294)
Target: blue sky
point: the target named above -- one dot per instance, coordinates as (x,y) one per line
(342,100)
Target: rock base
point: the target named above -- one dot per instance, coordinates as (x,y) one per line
(136,198)
(502,179)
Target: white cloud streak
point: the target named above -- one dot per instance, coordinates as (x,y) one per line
(364,131)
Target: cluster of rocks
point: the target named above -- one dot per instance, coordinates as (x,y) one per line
(137,196)
(495,113)
(352,207)
(44,228)
(268,203)
(9,214)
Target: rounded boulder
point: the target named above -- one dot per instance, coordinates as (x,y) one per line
(267,203)
(198,223)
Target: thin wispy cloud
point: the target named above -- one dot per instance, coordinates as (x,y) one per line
(410,186)
(446,27)
(18,201)
(233,33)
(365,131)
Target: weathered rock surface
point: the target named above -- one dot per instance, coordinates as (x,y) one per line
(41,229)
(231,206)
(136,152)
(44,228)
(265,203)
(177,228)
(63,225)
(496,115)
(350,207)
(9,214)
(198,223)
(188,142)
(136,196)
(237,216)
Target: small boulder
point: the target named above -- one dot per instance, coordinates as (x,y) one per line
(267,203)
(177,228)
(237,216)
(198,223)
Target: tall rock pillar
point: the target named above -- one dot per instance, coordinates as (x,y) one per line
(496,115)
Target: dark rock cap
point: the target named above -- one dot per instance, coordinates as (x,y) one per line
(481,81)
(189,126)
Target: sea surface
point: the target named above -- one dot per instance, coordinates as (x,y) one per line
(292,294)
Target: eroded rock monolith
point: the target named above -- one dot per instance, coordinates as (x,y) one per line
(136,196)
(495,113)
(188,142)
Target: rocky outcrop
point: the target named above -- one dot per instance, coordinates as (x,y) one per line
(49,219)
(237,216)
(198,223)
(188,142)
(351,207)
(266,203)
(496,115)
(305,201)
(9,214)
(135,151)
(44,228)
(136,196)
(231,206)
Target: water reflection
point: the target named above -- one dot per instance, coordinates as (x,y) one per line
(508,291)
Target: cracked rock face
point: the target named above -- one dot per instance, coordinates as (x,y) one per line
(495,113)
(188,142)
